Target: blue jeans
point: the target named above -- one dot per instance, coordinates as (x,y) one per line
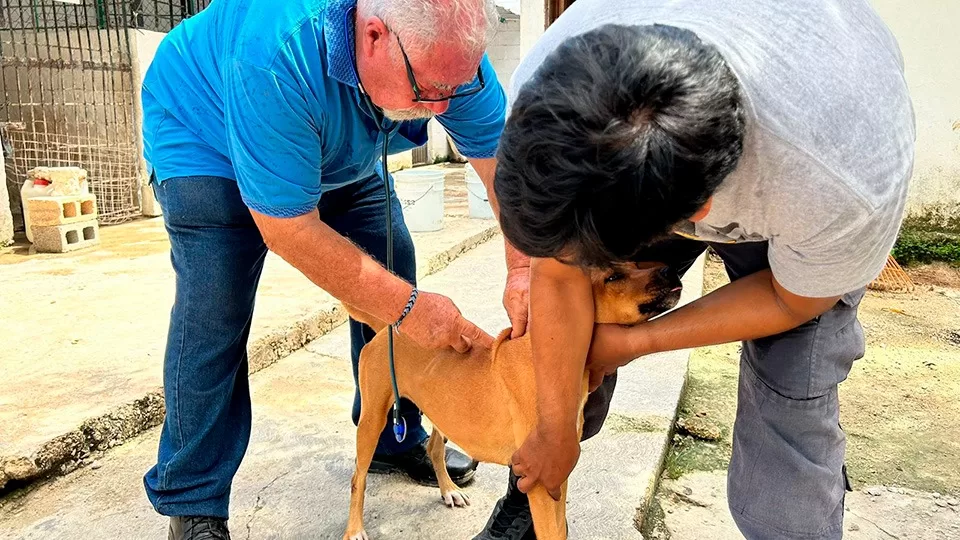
(218,254)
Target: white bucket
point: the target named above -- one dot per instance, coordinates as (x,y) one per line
(421,196)
(477,199)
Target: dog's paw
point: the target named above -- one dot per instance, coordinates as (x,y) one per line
(456,499)
(362,535)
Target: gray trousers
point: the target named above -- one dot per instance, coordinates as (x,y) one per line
(786,477)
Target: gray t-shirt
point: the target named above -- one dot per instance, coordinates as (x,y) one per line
(830,132)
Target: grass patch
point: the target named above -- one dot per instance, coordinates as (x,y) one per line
(922,247)
(710,395)
(690,455)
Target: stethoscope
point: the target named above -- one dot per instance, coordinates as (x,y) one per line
(399,422)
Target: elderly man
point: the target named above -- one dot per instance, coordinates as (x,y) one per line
(779,133)
(260,133)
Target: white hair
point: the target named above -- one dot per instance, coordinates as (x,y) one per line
(423,23)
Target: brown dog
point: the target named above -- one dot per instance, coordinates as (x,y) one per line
(494,415)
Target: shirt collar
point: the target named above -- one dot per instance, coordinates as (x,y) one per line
(338,36)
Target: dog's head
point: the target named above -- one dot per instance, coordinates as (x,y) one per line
(631,293)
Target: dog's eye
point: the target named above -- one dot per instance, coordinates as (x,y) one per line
(616,276)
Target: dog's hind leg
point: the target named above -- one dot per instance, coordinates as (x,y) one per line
(375,404)
(549,516)
(449,492)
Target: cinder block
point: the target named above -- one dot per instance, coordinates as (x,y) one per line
(67,237)
(45,211)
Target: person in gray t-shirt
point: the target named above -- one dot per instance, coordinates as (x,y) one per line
(779,133)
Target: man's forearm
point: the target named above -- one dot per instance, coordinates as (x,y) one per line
(749,308)
(335,264)
(561,325)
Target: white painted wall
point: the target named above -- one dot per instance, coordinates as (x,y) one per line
(504,51)
(533,21)
(143,44)
(927,33)
(6,214)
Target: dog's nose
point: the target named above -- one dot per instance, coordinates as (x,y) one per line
(666,272)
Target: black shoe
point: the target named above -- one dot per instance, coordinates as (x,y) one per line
(198,528)
(416,463)
(511,519)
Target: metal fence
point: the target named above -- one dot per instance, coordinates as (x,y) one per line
(68,91)
(162,16)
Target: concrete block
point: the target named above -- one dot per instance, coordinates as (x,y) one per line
(46,211)
(67,237)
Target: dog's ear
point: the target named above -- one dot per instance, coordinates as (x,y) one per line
(364,317)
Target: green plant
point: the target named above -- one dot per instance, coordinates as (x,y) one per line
(918,247)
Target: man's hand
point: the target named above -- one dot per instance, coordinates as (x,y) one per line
(340,268)
(516,295)
(516,299)
(613,346)
(546,459)
(435,323)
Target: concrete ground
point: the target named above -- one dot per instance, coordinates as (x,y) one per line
(695,506)
(83,334)
(295,480)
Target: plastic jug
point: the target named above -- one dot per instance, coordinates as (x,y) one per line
(29,190)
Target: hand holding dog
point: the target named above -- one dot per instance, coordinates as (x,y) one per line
(435,323)
(516,300)
(547,459)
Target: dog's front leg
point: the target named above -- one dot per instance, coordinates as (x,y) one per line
(549,516)
(449,492)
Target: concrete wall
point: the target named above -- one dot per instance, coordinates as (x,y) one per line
(56,98)
(927,33)
(6,215)
(504,50)
(533,21)
(73,92)
(143,47)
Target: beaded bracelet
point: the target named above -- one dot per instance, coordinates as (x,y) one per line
(408,307)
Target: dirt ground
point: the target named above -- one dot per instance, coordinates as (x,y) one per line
(900,405)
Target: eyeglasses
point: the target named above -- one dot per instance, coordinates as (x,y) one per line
(416,88)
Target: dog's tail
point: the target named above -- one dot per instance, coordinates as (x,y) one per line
(376,324)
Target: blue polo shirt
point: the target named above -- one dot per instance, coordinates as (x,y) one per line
(266,93)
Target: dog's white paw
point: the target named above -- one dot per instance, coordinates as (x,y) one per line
(456,499)
(362,535)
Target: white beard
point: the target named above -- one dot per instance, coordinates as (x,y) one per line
(413,113)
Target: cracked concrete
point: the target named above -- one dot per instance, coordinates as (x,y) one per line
(259,504)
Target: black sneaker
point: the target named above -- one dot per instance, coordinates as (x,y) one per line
(198,528)
(511,519)
(417,465)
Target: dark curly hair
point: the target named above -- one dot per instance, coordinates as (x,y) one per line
(622,133)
